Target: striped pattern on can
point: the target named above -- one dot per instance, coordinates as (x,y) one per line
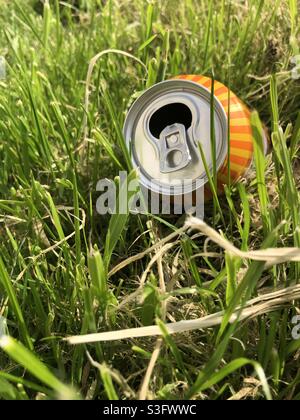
(240,151)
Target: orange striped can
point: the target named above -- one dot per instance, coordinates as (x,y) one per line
(240,153)
(167,122)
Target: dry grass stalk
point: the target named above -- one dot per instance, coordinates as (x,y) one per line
(253,308)
(258,306)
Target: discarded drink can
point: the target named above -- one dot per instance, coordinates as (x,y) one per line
(167,122)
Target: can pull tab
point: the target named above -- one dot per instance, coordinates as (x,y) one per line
(174,150)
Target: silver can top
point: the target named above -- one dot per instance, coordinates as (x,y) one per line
(162,131)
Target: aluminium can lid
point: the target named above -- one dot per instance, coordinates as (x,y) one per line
(163,129)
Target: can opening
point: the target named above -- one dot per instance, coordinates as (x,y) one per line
(169,115)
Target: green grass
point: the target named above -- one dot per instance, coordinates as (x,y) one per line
(61,118)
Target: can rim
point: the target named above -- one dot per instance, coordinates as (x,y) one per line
(151,94)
